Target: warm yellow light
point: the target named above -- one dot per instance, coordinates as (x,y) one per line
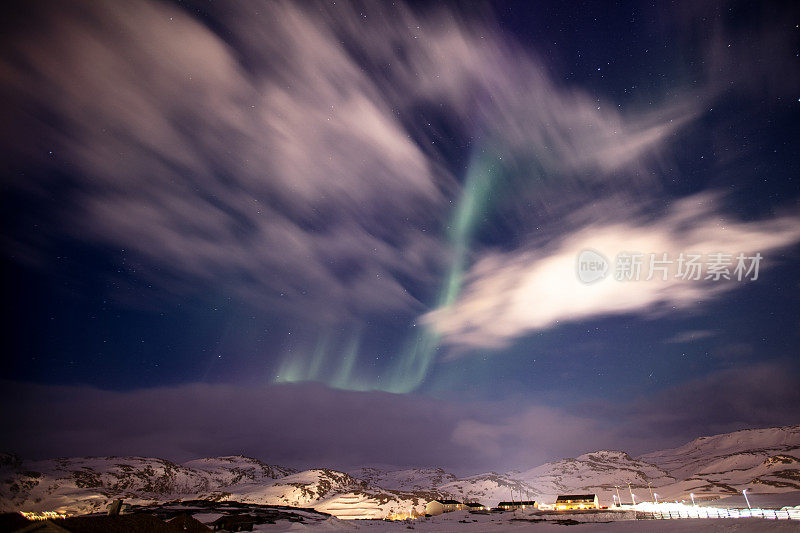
(44,515)
(401,516)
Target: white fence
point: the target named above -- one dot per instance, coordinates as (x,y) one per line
(675,512)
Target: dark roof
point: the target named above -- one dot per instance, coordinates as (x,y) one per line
(448,502)
(523,502)
(186,522)
(576,497)
(474,504)
(232,519)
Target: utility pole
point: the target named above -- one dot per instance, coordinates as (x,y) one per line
(619,498)
(650,489)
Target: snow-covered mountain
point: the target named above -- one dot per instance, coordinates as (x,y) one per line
(490,488)
(761,460)
(235,469)
(332,492)
(597,472)
(87,484)
(409,479)
(84,485)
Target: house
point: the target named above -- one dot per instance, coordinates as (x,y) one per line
(507,506)
(234,522)
(186,522)
(513,506)
(569,502)
(437,507)
(473,506)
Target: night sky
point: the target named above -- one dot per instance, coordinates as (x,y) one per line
(346,234)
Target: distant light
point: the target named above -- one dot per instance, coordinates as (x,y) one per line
(44,515)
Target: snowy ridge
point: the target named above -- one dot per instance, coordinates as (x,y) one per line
(490,488)
(596,472)
(410,479)
(87,484)
(760,460)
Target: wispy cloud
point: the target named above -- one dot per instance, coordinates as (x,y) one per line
(690,336)
(279,156)
(283,177)
(510,294)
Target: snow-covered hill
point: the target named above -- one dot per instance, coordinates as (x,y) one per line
(234,469)
(332,492)
(761,460)
(409,479)
(596,472)
(490,488)
(87,484)
(84,485)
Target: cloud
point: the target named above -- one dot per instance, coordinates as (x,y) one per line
(734,352)
(752,396)
(531,435)
(279,154)
(510,294)
(292,188)
(306,425)
(690,336)
(753,58)
(301,425)
(309,425)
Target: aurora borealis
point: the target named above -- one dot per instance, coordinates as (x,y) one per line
(411,366)
(359,223)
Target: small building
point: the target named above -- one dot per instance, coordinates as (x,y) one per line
(473,506)
(570,502)
(437,507)
(234,522)
(513,506)
(186,522)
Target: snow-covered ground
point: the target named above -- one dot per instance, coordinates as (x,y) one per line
(491,524)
